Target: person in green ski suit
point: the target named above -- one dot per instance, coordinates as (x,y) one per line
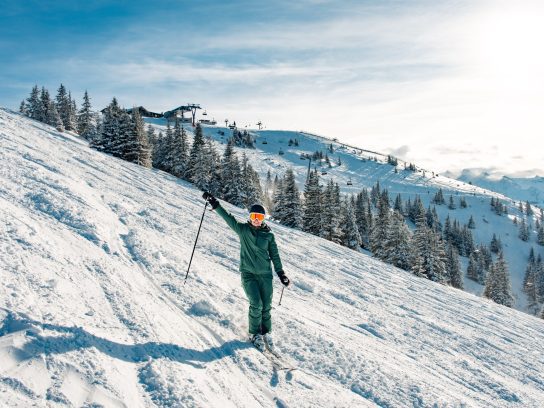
(258,250)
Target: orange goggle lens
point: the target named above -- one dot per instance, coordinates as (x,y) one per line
(256,216)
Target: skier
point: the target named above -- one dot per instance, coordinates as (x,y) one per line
(257,249)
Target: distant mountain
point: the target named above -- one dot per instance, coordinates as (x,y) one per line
(518,188)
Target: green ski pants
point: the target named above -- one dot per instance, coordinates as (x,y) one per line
(258,290)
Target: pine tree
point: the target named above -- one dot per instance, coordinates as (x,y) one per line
(111,139)
(397,248)
(472,268)
(495,245)
(330,221)
(439,197)
(350,234)
(530,284)
(231,175)
(380,229)
(86,126)
(137,150)
(451,204)
(53,118)
(195,170)
(398,204)
(471,224)
(540,235)
(23,108)
(462,202)
(430,248)
(34,104)
(72,114)
(498,286)
(363,217)
(179,156)
(63,106)
(453,267)
(292,211)
(45,106)
(523,231)
(312,205)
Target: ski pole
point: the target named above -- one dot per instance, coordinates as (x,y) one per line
(196,240)
(281,296)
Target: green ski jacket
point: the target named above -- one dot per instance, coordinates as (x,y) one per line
(258,247)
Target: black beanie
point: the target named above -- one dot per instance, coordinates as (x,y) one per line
(257,208)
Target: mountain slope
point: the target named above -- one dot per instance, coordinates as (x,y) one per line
(93,253)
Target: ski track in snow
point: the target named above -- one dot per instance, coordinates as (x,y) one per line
(94,309)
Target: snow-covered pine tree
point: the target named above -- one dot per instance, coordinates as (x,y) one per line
(462,202)
(530,284)
(430,248)
(179,156)
(196,171)
(292,209)
(451,204)
(380,229)
(498,286)
(23,108)
(472,268)
(398,204)
(214,163)
(468,241)
(439,197)
(110,128)
(138,149)
(397,248)
(311,219)
(72,114)
(166,154)
(540,235)
(523,233)
(86,126)
(53,118)
(158,151)
(349,233)
(471,223)
(330,221)
(123,147)
(63,106)
(453,267)
(231,176)
(34,103)
(44,106)
(496,245)
(363,216)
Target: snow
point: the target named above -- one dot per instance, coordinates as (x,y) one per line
(94,310)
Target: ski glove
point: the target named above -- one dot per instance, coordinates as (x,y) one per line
(283,278)
(211,199)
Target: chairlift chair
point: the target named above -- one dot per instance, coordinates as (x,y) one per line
(349,182)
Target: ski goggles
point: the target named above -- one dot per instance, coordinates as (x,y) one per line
(256,216)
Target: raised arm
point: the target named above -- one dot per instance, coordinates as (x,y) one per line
(229,218)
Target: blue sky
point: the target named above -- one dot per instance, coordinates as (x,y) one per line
(449,84)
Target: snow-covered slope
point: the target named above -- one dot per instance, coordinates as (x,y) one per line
(93,253)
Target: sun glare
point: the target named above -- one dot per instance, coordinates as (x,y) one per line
(508,44)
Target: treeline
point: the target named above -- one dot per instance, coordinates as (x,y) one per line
(60,112)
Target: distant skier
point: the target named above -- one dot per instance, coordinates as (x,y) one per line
(258,250)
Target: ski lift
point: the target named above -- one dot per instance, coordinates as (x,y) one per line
(302,157)
(204,113)
(265,142)
(349,182)
(281,152)
(323,173)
